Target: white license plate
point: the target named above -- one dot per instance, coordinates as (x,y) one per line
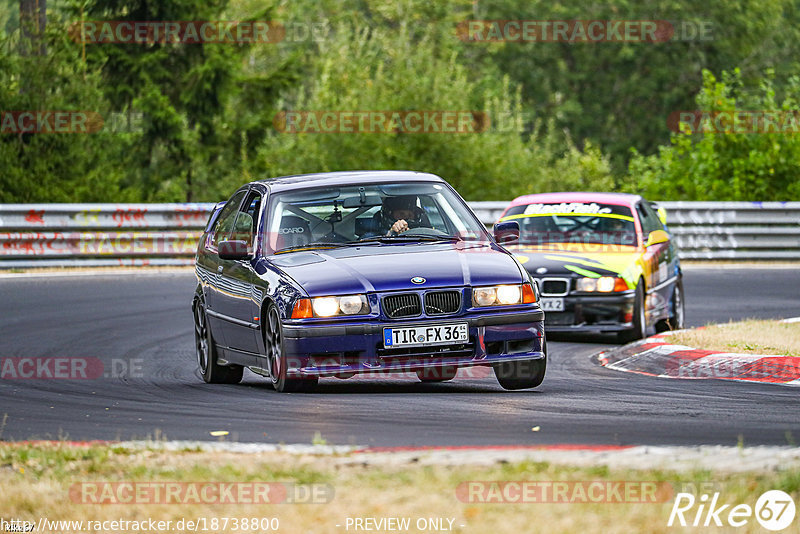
(552,304)
(438,334)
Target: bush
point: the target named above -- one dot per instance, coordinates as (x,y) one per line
(726,166)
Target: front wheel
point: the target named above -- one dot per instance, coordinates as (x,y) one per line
(278,364)
(522,374)
(206,351)
(639,329)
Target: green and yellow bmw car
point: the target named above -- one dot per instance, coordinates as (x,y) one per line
(604,262)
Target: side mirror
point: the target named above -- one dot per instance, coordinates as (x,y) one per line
(656,237)
(233,250)
(506,232)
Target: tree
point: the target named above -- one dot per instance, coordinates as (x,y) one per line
(391,63)
(187,92)
(619,94)
(760,163)
(33,23)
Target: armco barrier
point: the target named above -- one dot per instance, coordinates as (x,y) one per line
(736,230)
(54,235)
(63,235)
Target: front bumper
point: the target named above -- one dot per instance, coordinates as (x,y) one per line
(594,314)
(354,348)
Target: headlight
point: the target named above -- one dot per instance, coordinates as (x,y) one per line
(351,304)
(330,306)
(484,296)
(604,284)
(503,295)
(508,294)
(586,284)
(325,306)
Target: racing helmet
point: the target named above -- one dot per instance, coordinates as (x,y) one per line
(400,202)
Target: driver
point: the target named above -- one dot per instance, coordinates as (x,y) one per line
(618,231)
(400,213)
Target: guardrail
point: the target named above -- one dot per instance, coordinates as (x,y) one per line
(93,235)
(57,235)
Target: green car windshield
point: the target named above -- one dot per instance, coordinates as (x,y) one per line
(604,224)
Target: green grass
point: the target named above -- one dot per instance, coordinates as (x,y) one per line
(35,481)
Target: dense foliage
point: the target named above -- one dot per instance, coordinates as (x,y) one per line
(717,162)
(192,121)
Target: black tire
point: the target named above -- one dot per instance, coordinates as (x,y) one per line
(523,374)
(437,374)
(206,350)
(276,357)
(676,319)
(639,330)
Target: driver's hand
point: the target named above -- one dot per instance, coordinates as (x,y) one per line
(399,226)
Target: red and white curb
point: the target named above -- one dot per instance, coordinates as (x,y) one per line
(656,356)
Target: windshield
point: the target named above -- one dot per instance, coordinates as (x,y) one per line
(372,213)
(578,223)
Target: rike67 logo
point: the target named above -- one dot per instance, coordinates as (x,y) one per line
(774,510)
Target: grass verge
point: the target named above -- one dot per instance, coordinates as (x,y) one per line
(35,482)
(747,337)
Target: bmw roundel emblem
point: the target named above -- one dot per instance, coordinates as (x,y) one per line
(541,270)
(417,280)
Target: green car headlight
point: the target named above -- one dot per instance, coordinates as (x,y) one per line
(604,284)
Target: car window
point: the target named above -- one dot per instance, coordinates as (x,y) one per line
(574,223)
(226,219)
(652,214)
(649,220)
(244,229)
(348,214)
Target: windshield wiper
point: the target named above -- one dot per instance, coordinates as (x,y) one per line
(373,240)
(408,238)
(311,246)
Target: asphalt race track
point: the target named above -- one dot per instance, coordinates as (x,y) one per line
(140,326)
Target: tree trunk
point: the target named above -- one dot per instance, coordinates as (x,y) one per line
(32,21)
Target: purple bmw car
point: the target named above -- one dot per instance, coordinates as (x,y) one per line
(336,274)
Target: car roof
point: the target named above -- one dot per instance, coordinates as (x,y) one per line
(322,179)
(621,199)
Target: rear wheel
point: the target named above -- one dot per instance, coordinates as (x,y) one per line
(639,329)
(206,351)
(522,374)
(437,374)
(676,320)
(278,365)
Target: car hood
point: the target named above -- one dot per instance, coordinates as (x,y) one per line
(572,261)
(341,271)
